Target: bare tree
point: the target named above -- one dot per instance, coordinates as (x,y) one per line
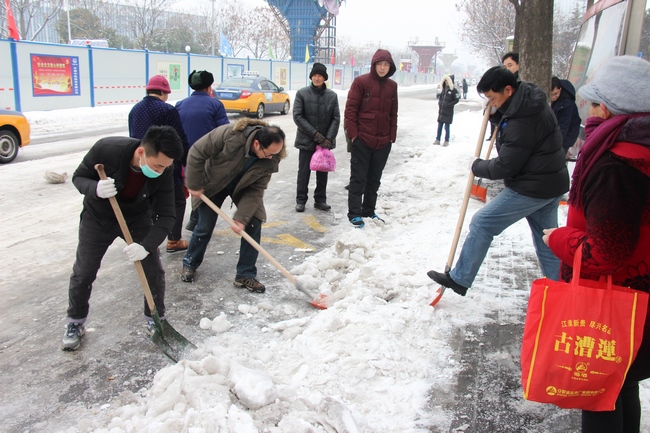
(33,15)
(565,35)
(147,25)
(486,25)
(533,31)
(262,28)
(232,22)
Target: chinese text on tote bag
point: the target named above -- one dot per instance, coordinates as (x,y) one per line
(580,339)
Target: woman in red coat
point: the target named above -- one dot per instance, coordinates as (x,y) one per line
(609,211)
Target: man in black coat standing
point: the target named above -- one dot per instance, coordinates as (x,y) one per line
(531,162)
(139,176)
(316,113)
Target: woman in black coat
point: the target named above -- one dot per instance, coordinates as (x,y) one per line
(448,99)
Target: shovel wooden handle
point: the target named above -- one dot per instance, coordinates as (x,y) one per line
(129,240)
(257,246)
(468,191)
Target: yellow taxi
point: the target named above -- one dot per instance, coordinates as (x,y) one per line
(252,95)
(14,134)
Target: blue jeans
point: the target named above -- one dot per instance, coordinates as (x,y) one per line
(203,232)
(501,212)
(440,125)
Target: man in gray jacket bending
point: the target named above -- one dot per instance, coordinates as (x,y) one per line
(235,160)
(316,113)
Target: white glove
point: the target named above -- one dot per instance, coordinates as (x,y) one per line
(106,188)
(135,252)
(471,162)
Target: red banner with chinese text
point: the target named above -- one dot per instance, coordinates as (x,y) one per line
(580,339)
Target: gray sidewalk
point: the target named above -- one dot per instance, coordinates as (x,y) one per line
(488,397)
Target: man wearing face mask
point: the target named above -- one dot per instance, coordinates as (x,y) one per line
(139,176)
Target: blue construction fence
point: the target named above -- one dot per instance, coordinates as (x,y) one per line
(45,76)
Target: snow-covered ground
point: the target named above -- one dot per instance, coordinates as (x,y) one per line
(370,362)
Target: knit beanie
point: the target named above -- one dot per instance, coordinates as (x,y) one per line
(200,80)
(319,69)
(618,84)
(158,82)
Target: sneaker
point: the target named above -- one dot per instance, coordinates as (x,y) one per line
(446,143)
(250,283)
(376,218)
(300,207)
(322,206)
(357,222)
(179,245)
(446,280)
(188,274)
(72,337)
(436,142)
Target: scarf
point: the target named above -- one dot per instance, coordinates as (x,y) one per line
(601,135)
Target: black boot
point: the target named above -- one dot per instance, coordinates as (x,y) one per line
(445,280)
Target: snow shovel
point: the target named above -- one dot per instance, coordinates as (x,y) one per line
(170,341)
(315,302)
(463,209)
(480,192)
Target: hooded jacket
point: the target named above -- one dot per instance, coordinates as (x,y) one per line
(316,110)
(531,160)
(448,99)
(613,222)
(217,158)
(566,113)
(155,199)
(371,108)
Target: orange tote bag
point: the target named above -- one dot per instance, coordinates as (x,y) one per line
(580,339)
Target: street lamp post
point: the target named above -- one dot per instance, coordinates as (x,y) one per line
(212,28)
(67,10)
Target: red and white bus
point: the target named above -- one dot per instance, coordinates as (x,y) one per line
(609,28)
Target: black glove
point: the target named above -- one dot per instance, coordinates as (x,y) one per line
(318,138)
(327,144)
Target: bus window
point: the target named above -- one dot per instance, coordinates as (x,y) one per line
(644,50)
(599,39)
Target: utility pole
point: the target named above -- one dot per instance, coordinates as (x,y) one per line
(67,10)
(212,28)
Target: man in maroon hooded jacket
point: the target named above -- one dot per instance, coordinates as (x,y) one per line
(371,125)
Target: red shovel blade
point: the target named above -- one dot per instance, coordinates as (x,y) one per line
(437,296)
(479,193)
(320,302)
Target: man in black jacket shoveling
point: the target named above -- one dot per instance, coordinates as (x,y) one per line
(138,175)
(531,163)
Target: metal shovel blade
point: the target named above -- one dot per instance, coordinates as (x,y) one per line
(170,341)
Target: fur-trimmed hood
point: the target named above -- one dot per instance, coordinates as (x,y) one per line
(449,81)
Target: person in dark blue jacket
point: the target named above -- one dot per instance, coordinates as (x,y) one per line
(200,113)
(563,103)
(154,110)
